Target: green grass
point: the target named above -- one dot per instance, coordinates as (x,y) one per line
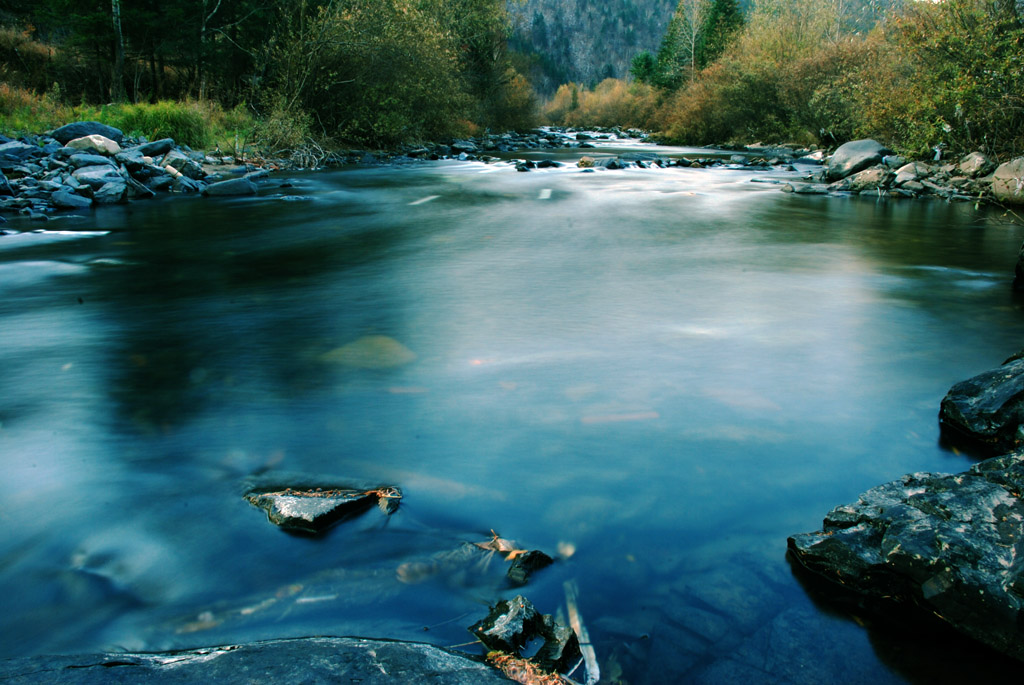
(200,125)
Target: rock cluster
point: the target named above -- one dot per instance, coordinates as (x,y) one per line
(88,163)
(478,147)
(866,167)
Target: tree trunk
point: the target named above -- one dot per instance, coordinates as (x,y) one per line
(117,78)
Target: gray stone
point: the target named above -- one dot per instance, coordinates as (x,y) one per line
(944,543)
(95,143)
(183,164)
(853,157)
(81,160)
(1008,182)
(97,176)
(16,152)
(319,660)
(871,179)
(65,134)
(987,410)
(464,146)
(976,164)
(65,199)
(910,172)
(155,148)
(234,186)
(111,193)
(313,511)
(185,185)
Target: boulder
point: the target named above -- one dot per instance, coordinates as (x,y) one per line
(874,178)
(987,411)
(910,172)
(853,157)
(155,148)
(5,186)
(976,164)
(234,186)
(466,146)
(65,134)
(315,660)
(1008,182)
(946,544)
(585,163)
(100,144)
(110,193)
(65,199)
(98,175)
(183,164)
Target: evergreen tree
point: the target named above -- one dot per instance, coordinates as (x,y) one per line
(723,22)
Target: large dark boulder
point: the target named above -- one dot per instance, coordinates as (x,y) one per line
(987,411)
(308,660)
(855,156)
(79,129)
(946,544)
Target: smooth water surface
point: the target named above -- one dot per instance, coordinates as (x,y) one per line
(660,374)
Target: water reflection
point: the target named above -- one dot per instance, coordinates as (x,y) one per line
(669,370)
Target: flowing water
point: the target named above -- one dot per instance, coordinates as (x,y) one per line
(658,374)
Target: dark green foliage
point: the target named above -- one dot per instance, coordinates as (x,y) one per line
(643,67)
(724,21)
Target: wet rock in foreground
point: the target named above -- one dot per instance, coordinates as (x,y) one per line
(946,544)
(987,410)
(309,660)
(315,510)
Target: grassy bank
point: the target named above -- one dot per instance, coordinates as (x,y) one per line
(201,125)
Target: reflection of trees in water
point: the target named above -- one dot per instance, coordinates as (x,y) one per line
(222,311)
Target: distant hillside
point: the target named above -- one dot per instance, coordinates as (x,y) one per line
(585,41)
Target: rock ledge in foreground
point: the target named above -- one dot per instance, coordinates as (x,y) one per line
(306,660)
(948,544)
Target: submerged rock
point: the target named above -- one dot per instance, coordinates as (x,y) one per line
(987,410)
(371,352)
(232,186)
(306,660)
(315,510)
(946,544)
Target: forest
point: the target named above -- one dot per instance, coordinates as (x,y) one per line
(283,73)
(366,72)
(918,76)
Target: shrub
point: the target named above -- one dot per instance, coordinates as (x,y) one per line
(613,102)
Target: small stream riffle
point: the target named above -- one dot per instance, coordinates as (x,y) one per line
(659,373)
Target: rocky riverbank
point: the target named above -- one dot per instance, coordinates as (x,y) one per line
(949,545)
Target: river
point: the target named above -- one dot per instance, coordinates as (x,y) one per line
(655,375)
